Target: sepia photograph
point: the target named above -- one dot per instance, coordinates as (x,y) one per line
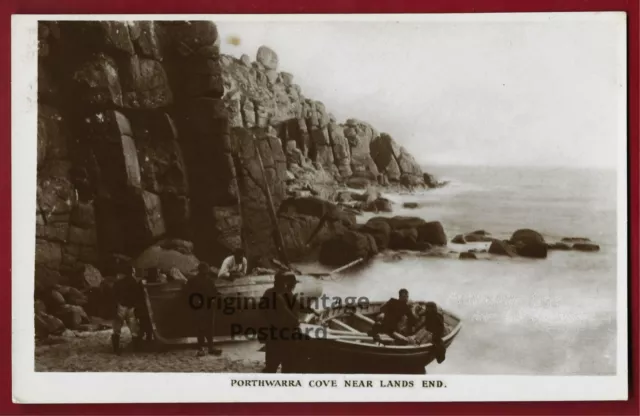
(392,200)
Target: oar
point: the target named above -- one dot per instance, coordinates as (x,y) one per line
(371,322)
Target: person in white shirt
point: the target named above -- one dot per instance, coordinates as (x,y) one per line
(234,265)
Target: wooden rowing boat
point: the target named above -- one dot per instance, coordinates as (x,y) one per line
(346,346)
(172,319)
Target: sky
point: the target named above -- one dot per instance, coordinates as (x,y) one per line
(502,91)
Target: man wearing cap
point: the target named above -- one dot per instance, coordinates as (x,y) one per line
(200,289)
(279,318)
(234,265)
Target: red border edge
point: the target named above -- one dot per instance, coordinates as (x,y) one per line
(631,7)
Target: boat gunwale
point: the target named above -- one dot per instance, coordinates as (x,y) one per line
(416,349)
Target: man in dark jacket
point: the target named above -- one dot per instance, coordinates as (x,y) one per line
(434,323)
(392,312)
(280,320)
(201,290)
(128,295)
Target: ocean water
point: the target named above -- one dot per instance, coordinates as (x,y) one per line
(521,316)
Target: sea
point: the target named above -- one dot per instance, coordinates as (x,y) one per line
(554,316)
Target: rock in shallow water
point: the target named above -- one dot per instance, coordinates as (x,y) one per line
(347,247)
(586,247)
(459,239)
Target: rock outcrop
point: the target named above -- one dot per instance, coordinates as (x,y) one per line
(147,133)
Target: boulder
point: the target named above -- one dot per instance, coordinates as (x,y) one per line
(478,235)
(245,60)
(378,205)
(72,316)
(347,247)
(459,239)
(157,257)
(46,325)
(88,277)
(400,222)
(432,233)
(73,296)
(533,249)
(575,240)
(405,239)
(586,247)
(357,182)
(467,255)
(502,247)
(527,236)
(54,301)
(559,246)
(46,280)
(267,57)
(410,205)
(380,231)
(315,207)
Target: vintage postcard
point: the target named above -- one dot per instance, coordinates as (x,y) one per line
(345,208)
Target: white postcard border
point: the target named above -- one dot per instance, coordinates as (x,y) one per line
(38,387)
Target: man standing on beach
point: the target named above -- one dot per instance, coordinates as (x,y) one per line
(280,320)
(128,294)
(202,286)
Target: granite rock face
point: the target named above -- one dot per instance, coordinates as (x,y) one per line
(146,132)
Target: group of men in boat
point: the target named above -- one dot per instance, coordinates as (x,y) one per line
(282,316)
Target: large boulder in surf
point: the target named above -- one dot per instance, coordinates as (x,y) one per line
(400,222)
(432,233)
(532,249)
(527,236)
(502,248)
(458,239)
(405,239)
(346,247)
(380,231)
(529,243)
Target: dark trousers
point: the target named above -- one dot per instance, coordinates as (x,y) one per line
(279,352)
(204,326)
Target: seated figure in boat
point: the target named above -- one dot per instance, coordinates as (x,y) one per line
(430,328)
(392,313)
(234,265)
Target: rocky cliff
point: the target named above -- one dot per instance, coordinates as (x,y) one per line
(146,132)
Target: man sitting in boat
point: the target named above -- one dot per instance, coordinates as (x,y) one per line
(431,329)
(392,313)
(234,265)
